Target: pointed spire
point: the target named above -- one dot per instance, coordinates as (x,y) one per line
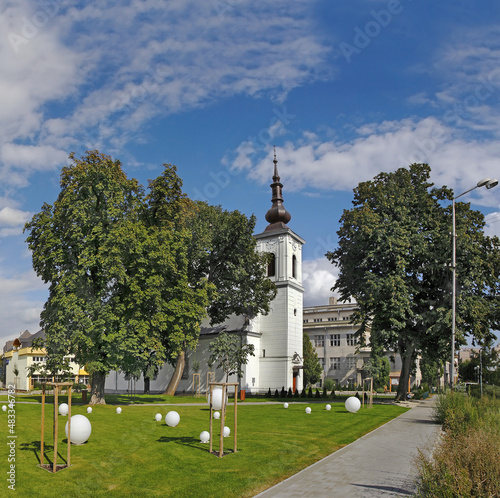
(277,216)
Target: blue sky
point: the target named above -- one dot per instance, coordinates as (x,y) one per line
(344,90)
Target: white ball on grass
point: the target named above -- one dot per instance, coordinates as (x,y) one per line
(216,415)
(80,429)
(172,419)
(328,407)
(63,409)
(89,409)
(308,410)
(227,431)
(205,437)
(285,405)
(158,417)
(118,410)
(352,404)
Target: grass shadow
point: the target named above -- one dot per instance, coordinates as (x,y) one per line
(48,452)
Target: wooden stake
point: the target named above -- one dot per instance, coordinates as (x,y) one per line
(43,424)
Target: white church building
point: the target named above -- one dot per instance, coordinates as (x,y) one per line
(277,337)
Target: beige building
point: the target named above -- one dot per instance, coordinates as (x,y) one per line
(19,355)
(332,333)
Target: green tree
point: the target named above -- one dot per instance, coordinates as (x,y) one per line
(312,366)
(229,353)
(183,302)
(394,257)
(431,370)
(378,367)
(75,247)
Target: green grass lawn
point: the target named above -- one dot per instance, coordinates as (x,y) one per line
(133,455)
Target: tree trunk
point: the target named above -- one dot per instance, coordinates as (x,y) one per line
(147,384)
(406,362)
(97,388)
(176,377)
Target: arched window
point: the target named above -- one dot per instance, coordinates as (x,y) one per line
(294,266)
(271,267)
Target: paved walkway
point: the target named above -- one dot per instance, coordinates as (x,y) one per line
(380,464)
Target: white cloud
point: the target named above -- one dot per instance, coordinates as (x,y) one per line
(318,277)
(10,217)
(313,163)
(108,82)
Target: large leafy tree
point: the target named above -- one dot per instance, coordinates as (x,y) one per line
(394,257)
(76,248)
(225,274)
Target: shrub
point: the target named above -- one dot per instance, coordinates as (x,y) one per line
(276,394)
(310,393)
(328,385)
(318,393)
(466,461)
(269,393)
(297,394)
(290,393)
(303,394)
(283,392)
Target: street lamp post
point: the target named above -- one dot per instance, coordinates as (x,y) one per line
(485,182)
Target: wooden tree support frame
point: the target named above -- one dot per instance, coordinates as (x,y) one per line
(370,403)
(225,386)
(55,428)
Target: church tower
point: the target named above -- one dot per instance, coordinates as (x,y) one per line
(280,355)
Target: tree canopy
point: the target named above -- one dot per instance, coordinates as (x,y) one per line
(394,259)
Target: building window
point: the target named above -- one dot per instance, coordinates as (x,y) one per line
(294,266)
(332,318)
(345,318)
(351,339)
(322,363)
(306,320)
(319,341)
(351,363)
(318,319)
(271,267)
(335,340)
(335,363)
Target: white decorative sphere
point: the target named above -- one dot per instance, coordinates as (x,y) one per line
(63,409)
(4,408)
(158,417)
(172,419)
(80,429)
(118,410)
(216,398)
(328,407)
(285,405)
(352,404)
(308,410)
(217,415)
(89,409)
(205,437)
(227,431)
